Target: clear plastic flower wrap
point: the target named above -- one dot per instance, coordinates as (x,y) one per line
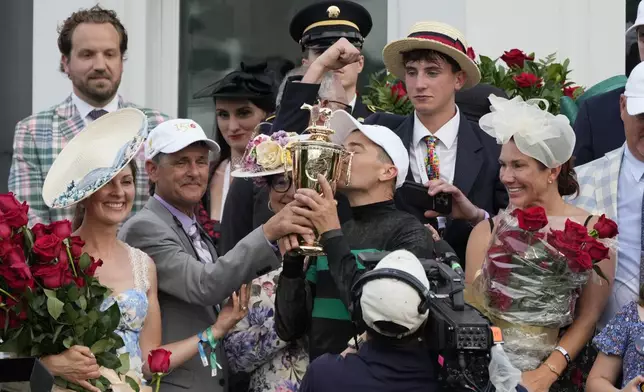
(532,276)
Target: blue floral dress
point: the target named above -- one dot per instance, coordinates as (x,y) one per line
(619,337)
(254,347)
(133,304)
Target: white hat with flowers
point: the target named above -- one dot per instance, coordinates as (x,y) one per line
(267,155)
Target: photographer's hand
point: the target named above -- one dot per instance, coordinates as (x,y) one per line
(322,210)
(462,207)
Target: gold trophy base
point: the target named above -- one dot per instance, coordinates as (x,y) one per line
(309,249)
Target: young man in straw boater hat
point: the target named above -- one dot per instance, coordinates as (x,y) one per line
(447,153)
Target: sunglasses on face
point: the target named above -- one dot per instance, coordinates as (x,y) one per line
(281,183)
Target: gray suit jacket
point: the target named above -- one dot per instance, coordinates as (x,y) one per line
(189,289)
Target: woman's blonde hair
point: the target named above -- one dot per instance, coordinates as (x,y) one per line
(79,211)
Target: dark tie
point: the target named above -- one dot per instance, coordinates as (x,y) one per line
(96,113)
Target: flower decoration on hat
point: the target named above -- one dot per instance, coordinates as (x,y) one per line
(536,132)
(265,154)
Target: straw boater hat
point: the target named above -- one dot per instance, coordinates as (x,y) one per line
(94,157)
(436,36)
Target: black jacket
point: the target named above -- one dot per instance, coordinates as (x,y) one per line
(376,367)
(599,127)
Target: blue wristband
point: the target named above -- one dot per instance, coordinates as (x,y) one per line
(202,352)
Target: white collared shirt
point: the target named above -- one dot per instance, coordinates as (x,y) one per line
(84,108)
(630,188)
(446,145)
(352,103)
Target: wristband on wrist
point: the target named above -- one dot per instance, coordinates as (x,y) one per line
(564,353)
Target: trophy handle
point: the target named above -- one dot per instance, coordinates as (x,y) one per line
(347,180)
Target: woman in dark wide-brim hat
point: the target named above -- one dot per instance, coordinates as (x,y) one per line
(244,99)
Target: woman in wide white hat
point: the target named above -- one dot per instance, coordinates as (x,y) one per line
(96,173)
(253,346)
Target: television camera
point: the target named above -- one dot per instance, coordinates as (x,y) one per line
(457,335)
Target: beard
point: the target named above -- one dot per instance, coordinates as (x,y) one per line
(97,91)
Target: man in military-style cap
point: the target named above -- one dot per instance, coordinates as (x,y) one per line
(319,26)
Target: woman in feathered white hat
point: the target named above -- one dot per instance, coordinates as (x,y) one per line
(537,170)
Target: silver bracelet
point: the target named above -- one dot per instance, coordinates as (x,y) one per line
(564,353)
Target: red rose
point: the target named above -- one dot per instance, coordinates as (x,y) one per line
(159,361)
(5,229)
(93,266)
(11,253)
(18,276)
(47,247)
(62,229)
(606,228)
(40,230)
(596,250)
(499,300)
(52,276)
(398,91)
(79,280)
(515,58)
(527,80)
(570,91)
(14,212)
(76,246)
(576,232)
(581,262)
(531,218)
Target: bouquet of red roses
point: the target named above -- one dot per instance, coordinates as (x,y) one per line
(49,297)
(533,273)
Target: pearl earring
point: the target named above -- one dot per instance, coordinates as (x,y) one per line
(549,181)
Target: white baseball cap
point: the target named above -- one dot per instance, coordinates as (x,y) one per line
(175,135)
(343,124)
(635,91)
(639,21)
(393,300)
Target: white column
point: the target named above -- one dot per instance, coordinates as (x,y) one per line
(151,69)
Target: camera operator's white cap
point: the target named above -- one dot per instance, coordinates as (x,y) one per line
(175,135)
(343,124)
(393,300)
(635,91)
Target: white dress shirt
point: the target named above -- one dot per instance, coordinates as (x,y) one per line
(630,188)
(352,103)
(84,108)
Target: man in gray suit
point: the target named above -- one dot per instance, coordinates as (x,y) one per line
(192,279)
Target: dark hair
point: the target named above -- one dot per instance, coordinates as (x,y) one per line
(567,179)
(641,299)
(97,15)
(429,55)
(79,211)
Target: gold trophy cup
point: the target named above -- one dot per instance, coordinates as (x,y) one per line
(318,155)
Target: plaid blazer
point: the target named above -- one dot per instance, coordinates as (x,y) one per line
(39,139)
(598,184)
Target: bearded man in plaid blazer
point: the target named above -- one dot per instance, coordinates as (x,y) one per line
(614,185)
(92,45)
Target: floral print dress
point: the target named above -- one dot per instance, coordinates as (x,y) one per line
(254,347)
(133,304)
